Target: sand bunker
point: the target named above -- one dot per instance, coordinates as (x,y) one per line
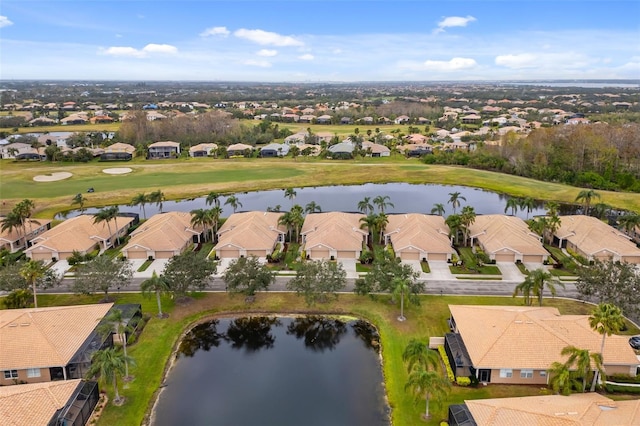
(52,177)
(117,171)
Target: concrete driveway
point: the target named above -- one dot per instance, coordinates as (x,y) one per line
(157,266)
(60,267)
(439,270)
(349,266)
(510,271)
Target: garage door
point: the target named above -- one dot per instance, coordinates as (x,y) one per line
(319,254)
(163,255)
(41,256)
(410,255)
(346,254)
(532,258)
(505,257)
(256,253)
(437,256)
(631,259)
(135,254)
(228,254)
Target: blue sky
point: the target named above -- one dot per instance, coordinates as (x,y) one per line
(330,40)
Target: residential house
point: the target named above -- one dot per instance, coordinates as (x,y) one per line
(376,150)
(296,138)
(342,150)
(274,150)
(518,344)
(162,236)
(203,150)
(471,119)
(118,151)
(324,119)
(346,120)
(402,119)
(239,149)
(416,236)
(593,239)
(254,233)
(12,150)
(507,239)
(49,344)
(333,235)
(16,239)
(581,409)
(307,118)
(69,402)
(79,233)
(166,149)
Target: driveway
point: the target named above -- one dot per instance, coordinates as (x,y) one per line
(157,266)
(60,267)
(349,266)
(510,271)
(415,265)
(439,270)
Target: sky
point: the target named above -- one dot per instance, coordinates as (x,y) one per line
(319,41)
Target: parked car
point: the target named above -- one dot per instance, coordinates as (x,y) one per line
(635,342)
(90,190)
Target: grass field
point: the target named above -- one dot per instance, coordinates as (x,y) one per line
(153,349)
(187,178)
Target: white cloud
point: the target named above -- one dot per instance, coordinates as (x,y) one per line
(214,31)
(160,48)
(452,65)
(254,63)
(267,52)
(522,60)
(306,57)
(123,51)
(4,21)
(267,38)
(453,21)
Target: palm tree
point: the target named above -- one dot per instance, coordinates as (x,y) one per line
(290,193)
(438,209)
(526,288)
(400,287)
(426,384)
(233,201)
(158,198)
(582,359)
(216,212)
(382,202)
(606,319)
(312,207)
(467,218)
(552,208)
(562,379)
(158,285)
(527,204)
(297,218)
(13,221)
(80,200)
(369,223)
(586,196)
(115,323)
(201,217)
(417,352)
(108,364)
(629,222)
(24,209)
(513,204)
(542,278)
(287,220)
(213,198)
(113,214)
(365,205)
(103,215)
(454,200)
(32,271)
(141,200)
(454,222)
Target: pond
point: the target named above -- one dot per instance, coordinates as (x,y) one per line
(310,370)
(406,198)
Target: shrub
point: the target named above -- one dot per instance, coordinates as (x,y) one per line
(623,378)
(366,257)
(463,381)
(445,359)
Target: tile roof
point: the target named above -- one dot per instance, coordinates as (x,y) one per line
(531,337)
(582,409)
(337,230)
(203,147)
(497,232)
(46,337)
(120,147)
(78,233)
(34,404)
(427,233)
(31,224)
(164,143)
(163,232)
(255,230)
(593,236)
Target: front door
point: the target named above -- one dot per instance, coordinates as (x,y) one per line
(484,376)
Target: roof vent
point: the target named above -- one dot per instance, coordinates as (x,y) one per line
(518,321)
(13,324)
(25,324)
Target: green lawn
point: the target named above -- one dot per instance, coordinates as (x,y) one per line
(153,349)
(471,266)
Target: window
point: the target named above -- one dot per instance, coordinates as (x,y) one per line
(10,374)
(506,373)
(33,372)
(543,374)
(526,374)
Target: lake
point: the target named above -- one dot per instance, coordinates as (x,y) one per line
(311,370)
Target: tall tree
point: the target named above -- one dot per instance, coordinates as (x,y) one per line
(316,280)
(312,207)
(104,215)
(438,209)
(386,267)
(365,205)
(112,213)
(370,222)
(80,200)
(582,359)
(606,319)
(382,220)
(585,197)
(157,197)
(141,199)
(189,271)
(400,289)
(109,365)
(158,285)
(101,274)
(382,202)
(115,323)
(527,204)
(429,385)
(213,198)
(203,218)
(32,271)
(526,288)
(454,222)
(454,200)
(630,222)
(611,282)
(233,201)
(14,222)
(467,218)
(562,379)
(542,279)
(247,275)
(417,353)
(290,193)
(513,204)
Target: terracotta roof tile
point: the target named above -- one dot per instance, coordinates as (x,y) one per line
(253,230)
(497,232)
(169,231)
(34,404)
(337,230)
(427,233)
